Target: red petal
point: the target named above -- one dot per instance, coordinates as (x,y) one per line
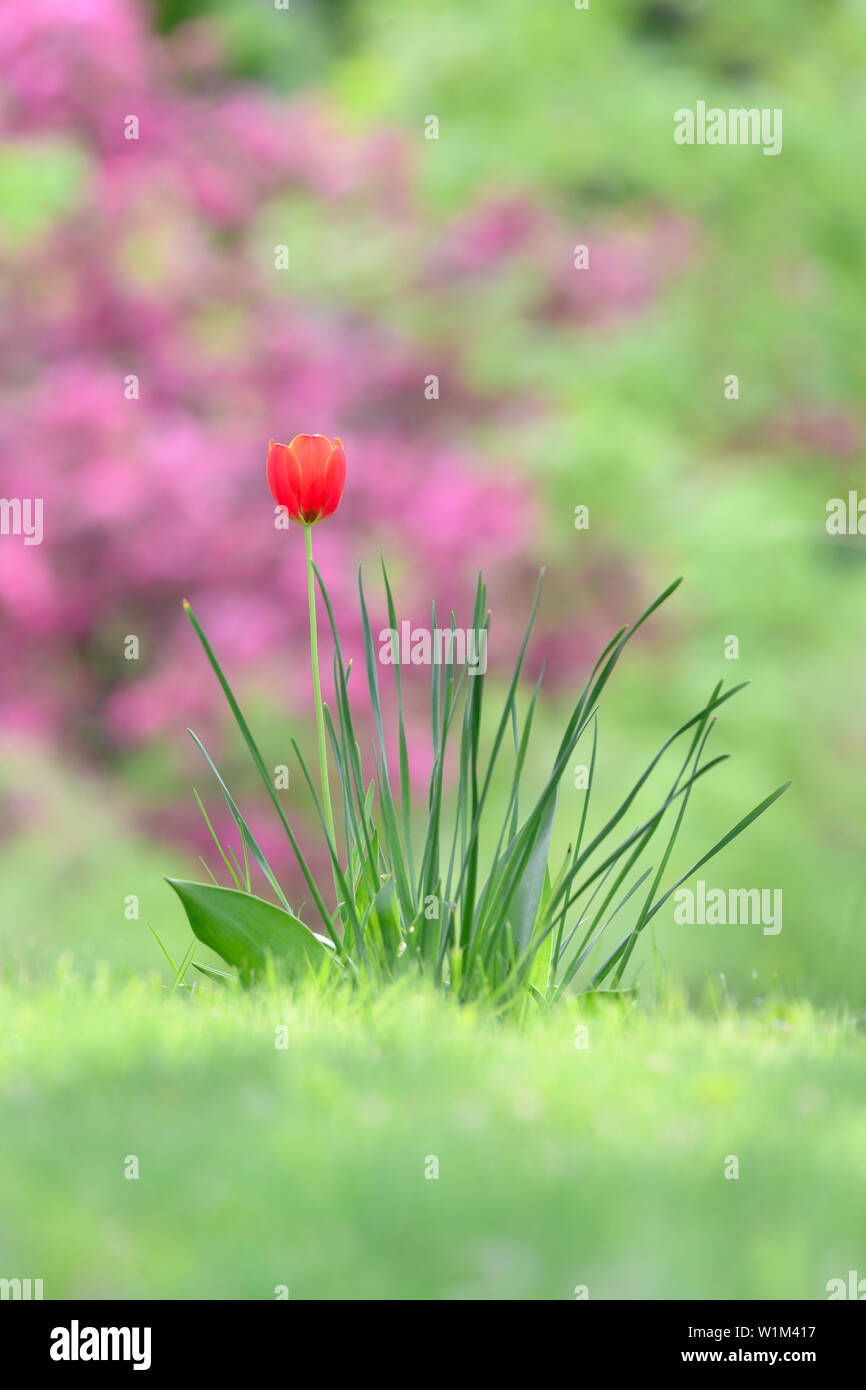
(334,478)
(282,478)
(312,452)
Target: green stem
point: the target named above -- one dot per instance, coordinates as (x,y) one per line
(317,687)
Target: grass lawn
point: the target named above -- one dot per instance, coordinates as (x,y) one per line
(304,1166)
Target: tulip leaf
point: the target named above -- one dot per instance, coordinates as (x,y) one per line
(527,899)
(220,976)
(384,918)
(249,933)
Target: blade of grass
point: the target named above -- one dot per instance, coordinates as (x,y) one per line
(242,825)
(184,965)
(405,786)
(162,948)
(703,735)
(239,720)
(386,797)
(741,825)
(215,838)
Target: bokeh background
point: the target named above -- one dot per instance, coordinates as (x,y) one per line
(411,257)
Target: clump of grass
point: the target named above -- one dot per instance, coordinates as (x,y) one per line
(500,924)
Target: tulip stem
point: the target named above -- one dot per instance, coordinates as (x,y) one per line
(317,687)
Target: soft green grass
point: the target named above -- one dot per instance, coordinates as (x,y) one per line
(305,1167)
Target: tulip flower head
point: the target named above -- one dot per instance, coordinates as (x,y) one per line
(307,477)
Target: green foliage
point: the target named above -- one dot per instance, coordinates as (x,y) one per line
(495,925)
(249,933)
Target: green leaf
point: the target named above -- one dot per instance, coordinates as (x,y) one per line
(183,967)
(392,846)
(720,845)
(405,786)
(241,824)
(263,773)
(539,967)
(385,919)
(528,895)
(732,834)
(219,975)
(248,932)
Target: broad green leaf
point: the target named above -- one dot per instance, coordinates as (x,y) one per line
(247,932)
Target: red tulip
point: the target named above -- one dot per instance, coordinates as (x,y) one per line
(307,477)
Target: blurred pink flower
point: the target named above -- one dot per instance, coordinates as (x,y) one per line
(148,347)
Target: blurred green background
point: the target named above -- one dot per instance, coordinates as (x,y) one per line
(745,264)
